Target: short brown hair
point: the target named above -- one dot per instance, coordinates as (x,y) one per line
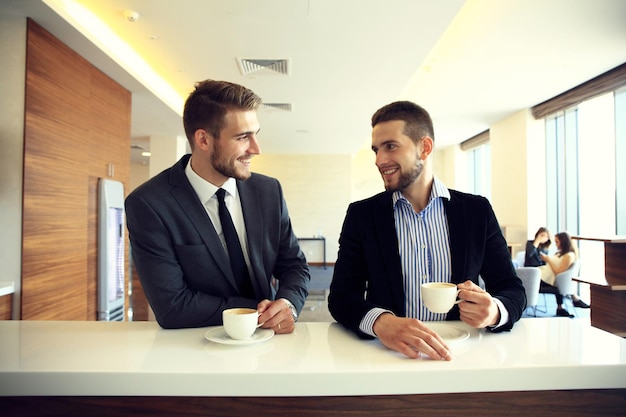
(417,120)
(207,105)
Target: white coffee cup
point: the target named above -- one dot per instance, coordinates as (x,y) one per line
(240,323)
(439,297)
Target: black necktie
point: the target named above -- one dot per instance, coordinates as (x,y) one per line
(237,261)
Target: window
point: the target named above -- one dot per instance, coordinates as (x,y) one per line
(620,157)
(478,152)
(479,170)
(562,171)
(585,179)
(585,147)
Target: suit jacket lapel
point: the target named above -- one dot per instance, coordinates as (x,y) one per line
(188,200)
(455,214)
(254,232)
(386,231)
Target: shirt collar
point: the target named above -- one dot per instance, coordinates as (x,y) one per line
(205,189)
(438,190)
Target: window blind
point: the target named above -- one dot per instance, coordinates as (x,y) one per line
(604,83)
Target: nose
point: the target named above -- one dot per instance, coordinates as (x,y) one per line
(379,158)
(254,148)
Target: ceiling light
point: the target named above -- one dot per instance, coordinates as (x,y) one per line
(131,15)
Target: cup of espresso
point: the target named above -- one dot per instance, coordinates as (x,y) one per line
(240,323)
(439,297)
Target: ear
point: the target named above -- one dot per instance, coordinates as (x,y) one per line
(202,139)
(427,147)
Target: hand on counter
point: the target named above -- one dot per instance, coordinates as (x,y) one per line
(410,337)
(276,315)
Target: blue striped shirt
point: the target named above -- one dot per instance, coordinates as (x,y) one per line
(424,244)
(424,248)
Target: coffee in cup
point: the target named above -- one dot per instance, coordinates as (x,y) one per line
(439,297)
(240,323)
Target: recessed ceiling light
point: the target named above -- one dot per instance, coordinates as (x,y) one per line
(131,15)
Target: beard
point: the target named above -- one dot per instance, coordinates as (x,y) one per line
(407,178)
(226,166)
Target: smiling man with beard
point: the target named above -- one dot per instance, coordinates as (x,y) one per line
(419,231)
(209,235)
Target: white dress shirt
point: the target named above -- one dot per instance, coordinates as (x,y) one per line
(206,193)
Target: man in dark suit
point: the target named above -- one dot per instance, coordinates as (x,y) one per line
(418,231)
(178,240)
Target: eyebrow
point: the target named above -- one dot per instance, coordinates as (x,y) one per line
(386,142)
(246,133)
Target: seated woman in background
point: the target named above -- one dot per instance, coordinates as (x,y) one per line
(534,248)
(565,256)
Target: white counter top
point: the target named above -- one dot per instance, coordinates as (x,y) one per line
(6,288)
(54,358)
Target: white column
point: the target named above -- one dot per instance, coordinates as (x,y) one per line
(12,79)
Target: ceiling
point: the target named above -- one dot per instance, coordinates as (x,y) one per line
(469,63)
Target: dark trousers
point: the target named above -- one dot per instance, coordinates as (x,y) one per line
(551,289)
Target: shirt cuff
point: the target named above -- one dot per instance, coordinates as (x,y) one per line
(504,314)
(367,323)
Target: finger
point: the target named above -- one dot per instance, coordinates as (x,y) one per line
(433,346)
(263,305)
(271,314)
(284,327)
(281,317)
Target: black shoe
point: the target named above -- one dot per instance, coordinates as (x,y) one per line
(580,304)
(561,312)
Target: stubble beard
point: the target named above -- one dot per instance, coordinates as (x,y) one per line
(407,178)
(227,167)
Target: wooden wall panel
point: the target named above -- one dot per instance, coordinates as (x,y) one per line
(6,305)
(55,167)
(615,263)
(74,115)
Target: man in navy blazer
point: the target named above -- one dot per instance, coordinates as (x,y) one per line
(419,231)
(175,232)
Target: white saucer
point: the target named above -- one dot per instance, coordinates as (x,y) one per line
(218,335)
(448,332)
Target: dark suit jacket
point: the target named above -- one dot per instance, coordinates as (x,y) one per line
(181,263)
(368,271)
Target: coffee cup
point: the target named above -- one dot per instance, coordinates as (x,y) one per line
(240,323)
(439,297)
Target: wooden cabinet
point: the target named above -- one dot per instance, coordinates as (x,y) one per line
(603,267)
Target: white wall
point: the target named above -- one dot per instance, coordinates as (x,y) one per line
(366,180)
(12,81)
(508,155)
(317,190)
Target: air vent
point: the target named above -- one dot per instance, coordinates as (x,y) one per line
(270,107)
(267,66)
